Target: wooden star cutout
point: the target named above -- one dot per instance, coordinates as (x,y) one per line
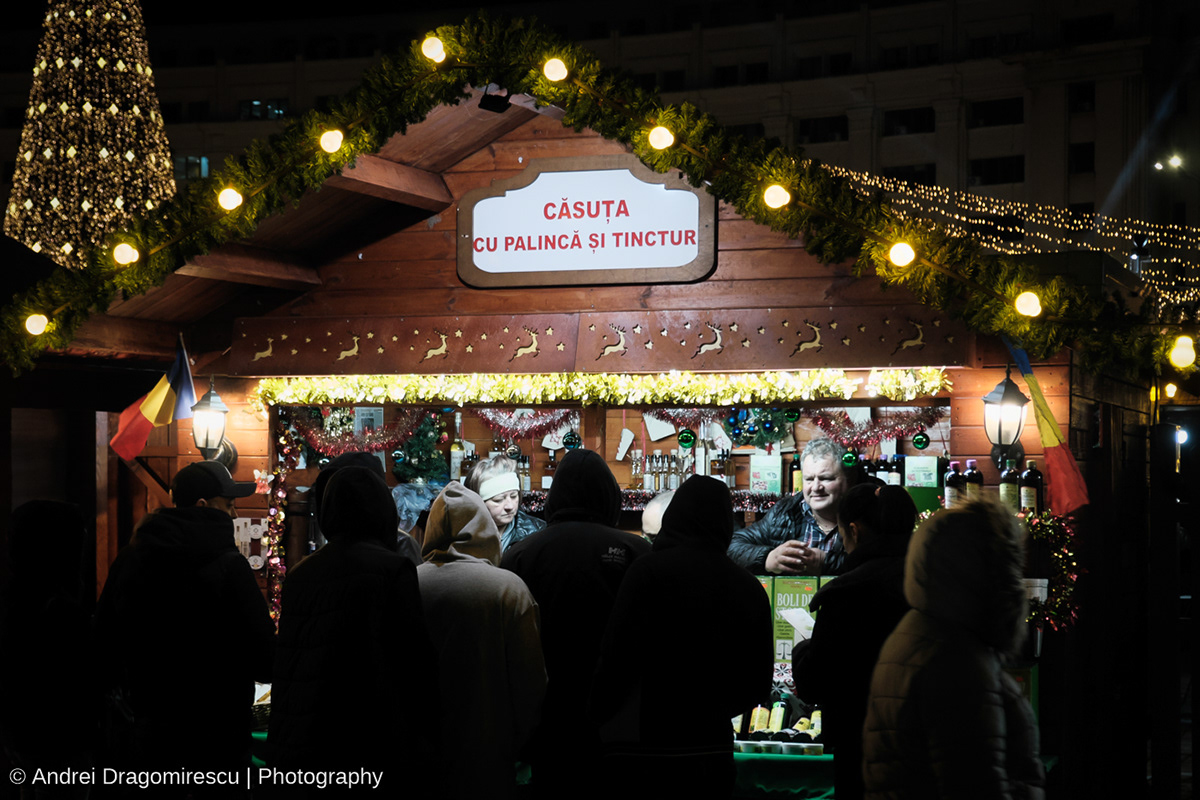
(329,333)
(416,332)
(324,349)
(682,343)
(591,327)
(506,329)
(936,323)
(862,328)
(458,334)
(483,336)
(733,327)
(687,326)
(370,334)
(745,342)
(846,341)
(502,345)
(762,330)
(306,339)
(470,349)
(549,331)
(785,323)
(779,340)
(293,351)
(559,347)
(283,337)
(637,328)
(950,339)
(833,326)
(650,345)
(381,349)
(663,332)
(410,347)
(395,338)
(887,321)
(882,339)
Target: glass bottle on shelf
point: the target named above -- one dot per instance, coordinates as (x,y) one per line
(676,470)
(635,469)
(700,455)
(895,473)
(457,449)
(796,481)
(1031,489)
(1010,486)
(526,474)
(657,483)
(648,474)
(954,490)
(548,471)
(974,479)
(716,466)
(730,470)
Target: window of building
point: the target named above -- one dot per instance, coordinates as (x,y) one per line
(197,111)
(903,121)
(674,80)
(190,167)
(925,54)
(987,113)
(751,130)
(840,63)
(1093,28)
(981,46)
(816,130)
(894,57)
(1081,158)
(276,108)
(758,72)
(1081,97)
(362,46)
(725,75)
(925,174)
(322,47)
(645,80)
(1001,169)
(808,67)
(284,49)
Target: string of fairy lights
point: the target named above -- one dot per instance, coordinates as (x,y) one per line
(1016,228)
(759,182)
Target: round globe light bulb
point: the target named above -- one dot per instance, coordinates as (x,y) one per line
(776,196)
(125,253)
(1181,436)
(1171,389)
(1028,304)
(661,138)
(331,141)
(1158,165)
(1175,161)
(36,324)
(555,70)
(1183,354)
(229,199)
(433,49)
(902,254)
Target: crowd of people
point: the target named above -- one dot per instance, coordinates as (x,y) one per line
(494,638)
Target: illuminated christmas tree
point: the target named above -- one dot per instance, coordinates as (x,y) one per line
(93,150)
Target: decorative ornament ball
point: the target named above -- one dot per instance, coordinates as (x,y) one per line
(732,421)
(751,428)
(323,460)
(398,456)
(572,440)
(445,437)
(736,431)
(513,451)
(687,438)
(849,458)
(768,425)
(921,440)
(792,414)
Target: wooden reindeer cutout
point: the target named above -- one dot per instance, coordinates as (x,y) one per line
(532,347)
(265,353)
(713,346)
(437,351)
(619,347)
(353,351)
(918,342)
(813,343)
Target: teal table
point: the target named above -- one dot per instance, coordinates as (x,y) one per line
(769,775)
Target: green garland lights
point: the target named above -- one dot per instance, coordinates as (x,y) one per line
(837,222)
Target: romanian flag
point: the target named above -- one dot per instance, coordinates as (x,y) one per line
(1067,490)
(171,399)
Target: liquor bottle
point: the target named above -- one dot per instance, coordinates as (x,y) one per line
(548,471)
(635,469)
(955,486)
(648,474)
(716,465)
(797,475)
(730,470)
(1031,489)
(974,479)
(656,472)
(526,474)
(895,473)
(1010,486)
(674,475)
(457,449)
(498,446)
(880,468)
(700,454)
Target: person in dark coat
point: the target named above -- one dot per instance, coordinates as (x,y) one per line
(664,715)
(353,648)
(943,718)
(496,481)
(48,706)
(183,630)
(405,544)
(855,614)
(573,568)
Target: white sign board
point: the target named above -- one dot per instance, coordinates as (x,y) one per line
(605,219)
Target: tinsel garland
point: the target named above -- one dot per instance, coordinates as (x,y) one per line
(695,419)
(837,425)
(1060,609)
(512,425)
(286,457)
(393,434)
(904,385)
(533,502)
(954,272)
(672,388)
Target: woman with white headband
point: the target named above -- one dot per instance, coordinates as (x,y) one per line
(496,481)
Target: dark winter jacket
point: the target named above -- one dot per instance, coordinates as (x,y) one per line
(522,527)
(943,719)
(183,628)
(855,614)
(353,646)
(687,596)
(788,519)
(574,568)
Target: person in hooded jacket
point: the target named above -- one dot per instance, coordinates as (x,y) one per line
(855,614)
(484,626)
(353,648)
(574,568)
(405,544)
(943,718)
(183,630)
(664,715)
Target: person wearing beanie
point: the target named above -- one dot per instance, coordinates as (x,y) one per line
(406,545)
(574,568)
(855,614)
(496,481)
(353,647)
(183,631)
(943,718)
(664,715)
(484,625)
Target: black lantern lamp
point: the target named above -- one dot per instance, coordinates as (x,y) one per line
(1004,410)
(208,427)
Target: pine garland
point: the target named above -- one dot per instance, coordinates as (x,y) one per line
(836,221)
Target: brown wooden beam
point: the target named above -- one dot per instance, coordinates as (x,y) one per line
(398,183)
(154,484)
(236,263)
(102,334)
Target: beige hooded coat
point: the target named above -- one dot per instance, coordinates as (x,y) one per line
(484,625)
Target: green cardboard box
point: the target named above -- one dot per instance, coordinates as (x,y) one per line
(789,592)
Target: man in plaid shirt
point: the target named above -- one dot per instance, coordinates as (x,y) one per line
(799,535)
